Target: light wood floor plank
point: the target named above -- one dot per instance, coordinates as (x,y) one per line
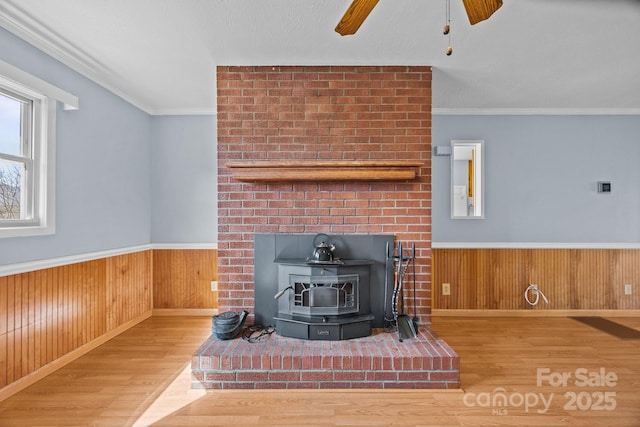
(142,378)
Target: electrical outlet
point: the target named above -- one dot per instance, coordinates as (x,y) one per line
(446,289)
(214,285)
(628,289)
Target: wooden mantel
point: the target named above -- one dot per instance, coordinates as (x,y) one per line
(325,170)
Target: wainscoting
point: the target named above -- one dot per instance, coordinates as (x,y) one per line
(53,315)
(571,279)
(50,316)
(182,278)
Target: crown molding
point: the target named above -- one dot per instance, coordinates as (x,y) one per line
(15,20)
(36,33)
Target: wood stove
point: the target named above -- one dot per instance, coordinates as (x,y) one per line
(327,301)
(337,299)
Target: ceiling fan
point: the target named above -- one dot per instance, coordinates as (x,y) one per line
(477,10)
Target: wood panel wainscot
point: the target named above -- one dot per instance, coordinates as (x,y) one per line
(53,315)
(571,279)
(330,170)
(182,279)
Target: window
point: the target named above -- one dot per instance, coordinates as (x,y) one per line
(17,172)
(27,148)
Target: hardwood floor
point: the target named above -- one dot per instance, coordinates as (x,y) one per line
(142,378)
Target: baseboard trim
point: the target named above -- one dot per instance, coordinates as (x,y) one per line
(185,311)
(64,360)
(533,313)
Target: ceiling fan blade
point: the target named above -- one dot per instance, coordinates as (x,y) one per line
(355,16)
(479,10)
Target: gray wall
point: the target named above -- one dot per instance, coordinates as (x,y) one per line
(126,179)
(540,179)
(103,166)
(184,179)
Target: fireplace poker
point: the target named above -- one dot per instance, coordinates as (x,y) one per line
(387,256)
(415,312)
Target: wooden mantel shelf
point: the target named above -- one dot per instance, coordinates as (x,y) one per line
(324,170)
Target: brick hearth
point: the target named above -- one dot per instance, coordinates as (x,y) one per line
(378,361)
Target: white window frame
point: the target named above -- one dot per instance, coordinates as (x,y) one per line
(43,142)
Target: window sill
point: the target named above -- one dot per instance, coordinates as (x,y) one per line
(36,230)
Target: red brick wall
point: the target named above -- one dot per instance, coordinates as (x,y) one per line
(312,113)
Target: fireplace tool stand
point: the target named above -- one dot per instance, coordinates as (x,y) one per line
(406,326)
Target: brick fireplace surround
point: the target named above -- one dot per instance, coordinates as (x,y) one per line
(277,113)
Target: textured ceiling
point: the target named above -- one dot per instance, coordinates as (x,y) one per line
(546,56)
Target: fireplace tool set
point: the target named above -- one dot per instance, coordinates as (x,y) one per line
(406,326)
